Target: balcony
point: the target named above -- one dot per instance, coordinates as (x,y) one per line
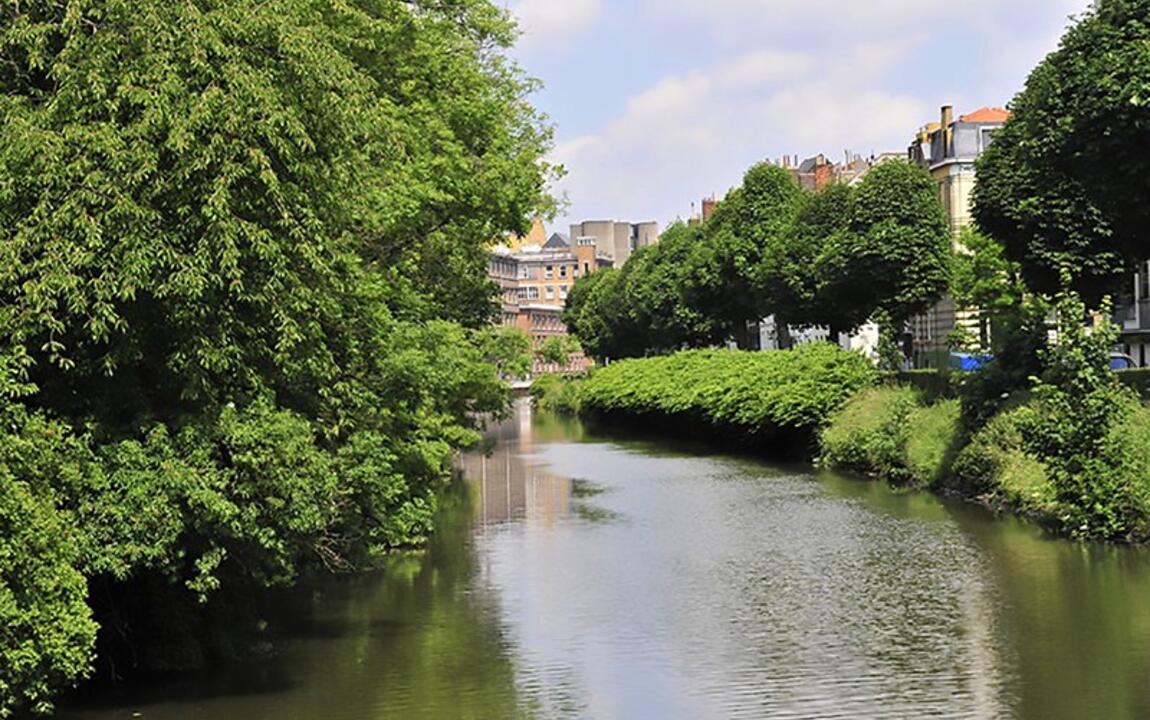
(1134,317)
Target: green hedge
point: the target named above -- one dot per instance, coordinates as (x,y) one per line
(771,395)
(1137,380)
(933,384)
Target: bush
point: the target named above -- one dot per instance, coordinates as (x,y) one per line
(47,635)
(782,395)
(556,394)
(1137,380)
(997,466)
(870,434)
(935,432)
(1076,453)
(890,433)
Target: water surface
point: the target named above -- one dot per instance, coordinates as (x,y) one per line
(586,576)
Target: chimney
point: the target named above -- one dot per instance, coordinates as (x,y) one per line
(947,132)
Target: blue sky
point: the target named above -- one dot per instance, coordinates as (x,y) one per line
(658,103)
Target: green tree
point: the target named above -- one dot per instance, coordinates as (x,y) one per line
(508,349)
(1060,187)
(799,261)
(658,279)
(238,241)
(558,350)
(728,282)
(46,628)
(985,281)
(893,261)
(599,314)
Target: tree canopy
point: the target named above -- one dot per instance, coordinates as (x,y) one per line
(835,258)
(241,245)
(1064,185)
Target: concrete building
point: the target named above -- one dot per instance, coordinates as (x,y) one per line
(948,149)
(503,269)
(535,274)
(1133,315)
(617,239)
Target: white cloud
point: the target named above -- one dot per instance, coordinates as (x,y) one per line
(554,22)
(795,76)
(732,19)
(693,134)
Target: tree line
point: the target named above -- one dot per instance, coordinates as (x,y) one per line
(835,258)
(1059,206)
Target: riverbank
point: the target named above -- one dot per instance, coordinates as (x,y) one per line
(1031,457)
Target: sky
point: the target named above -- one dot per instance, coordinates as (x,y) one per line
(660,103)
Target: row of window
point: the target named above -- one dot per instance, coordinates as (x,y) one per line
(549,293)
(549,271)
(542,322)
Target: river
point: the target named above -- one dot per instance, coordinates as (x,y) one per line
(585,575)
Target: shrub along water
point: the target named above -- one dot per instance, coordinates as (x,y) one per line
(890,433)
(1071,452)
(557,394)
(779,397)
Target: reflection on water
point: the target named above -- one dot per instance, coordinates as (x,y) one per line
(579,577)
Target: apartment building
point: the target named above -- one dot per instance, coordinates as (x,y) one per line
(503,269)
(535,274)
(616,239)
(949,149)
(1133,315)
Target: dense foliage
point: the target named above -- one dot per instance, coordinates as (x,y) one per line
(836,258)
(763,396)
(240,243)
(1051,188)
(557,394)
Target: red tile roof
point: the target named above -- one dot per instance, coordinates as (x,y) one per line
(986,115)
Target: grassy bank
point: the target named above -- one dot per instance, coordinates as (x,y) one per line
(1102,492)
(1036,457)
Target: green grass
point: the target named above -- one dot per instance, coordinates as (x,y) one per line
(889,433)
(934,433)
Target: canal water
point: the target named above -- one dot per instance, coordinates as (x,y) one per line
(580,575)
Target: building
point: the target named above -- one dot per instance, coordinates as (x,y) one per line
(617,239)
(535,274)
(1133,316)
(812,174)
(503,269)
(948,150)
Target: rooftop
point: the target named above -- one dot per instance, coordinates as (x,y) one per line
(986,115)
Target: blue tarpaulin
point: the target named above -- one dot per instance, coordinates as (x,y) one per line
(966,361)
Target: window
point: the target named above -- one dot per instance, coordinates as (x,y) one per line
(550,293)
(524,272)
(562,271)
(586,268)
(988,137)
(563,292)
(528,293)
(550,272)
